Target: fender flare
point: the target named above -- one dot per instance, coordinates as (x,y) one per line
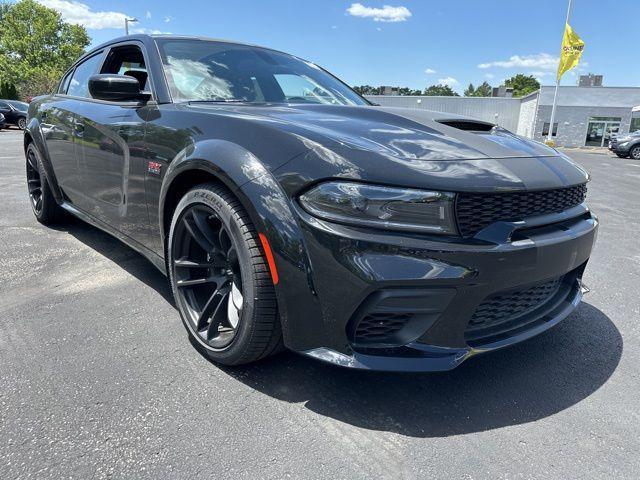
(270,211)
(33,131)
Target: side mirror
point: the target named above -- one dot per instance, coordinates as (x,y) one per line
(116,88)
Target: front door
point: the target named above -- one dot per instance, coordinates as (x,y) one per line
(112,159)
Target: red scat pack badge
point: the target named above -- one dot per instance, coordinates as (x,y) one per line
(154,167)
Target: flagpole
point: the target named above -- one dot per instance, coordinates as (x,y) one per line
(555,95)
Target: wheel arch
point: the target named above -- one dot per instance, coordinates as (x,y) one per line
(269,209)
(33,135)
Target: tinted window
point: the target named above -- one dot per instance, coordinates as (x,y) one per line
(64,84)
(79,86)
(226,72)
(127,60)
(4,106)
(21,106)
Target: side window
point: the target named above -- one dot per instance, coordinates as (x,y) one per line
(4,106)
(64,84)
(79,85)
(127,60)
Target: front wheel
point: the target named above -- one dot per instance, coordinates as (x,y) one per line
(220,278)
(22,123)
(635,152)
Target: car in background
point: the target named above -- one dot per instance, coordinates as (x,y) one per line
(15,112)
(2,122)
(626,145)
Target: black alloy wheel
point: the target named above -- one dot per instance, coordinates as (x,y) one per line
(34,182)
(43,203)
(220,278)
(207,275)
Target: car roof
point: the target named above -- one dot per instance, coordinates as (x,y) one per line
(143,37)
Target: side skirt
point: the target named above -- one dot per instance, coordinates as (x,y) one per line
(150,255)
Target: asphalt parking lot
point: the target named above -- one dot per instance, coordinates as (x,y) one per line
(98,379)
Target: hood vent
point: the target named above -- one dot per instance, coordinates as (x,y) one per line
(468,125)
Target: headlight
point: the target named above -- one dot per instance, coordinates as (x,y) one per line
(382,207)
(623,144)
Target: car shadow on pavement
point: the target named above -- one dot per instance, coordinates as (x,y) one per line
(119,253)
(524,383)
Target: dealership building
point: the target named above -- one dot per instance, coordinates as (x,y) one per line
(585,115)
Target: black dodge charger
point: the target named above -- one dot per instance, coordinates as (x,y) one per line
(287,211)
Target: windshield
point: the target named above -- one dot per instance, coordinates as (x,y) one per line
(23,107)
(202,70)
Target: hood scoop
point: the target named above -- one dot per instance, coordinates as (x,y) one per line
(473,126)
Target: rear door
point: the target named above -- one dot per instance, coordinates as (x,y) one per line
(113,155)
(58,119)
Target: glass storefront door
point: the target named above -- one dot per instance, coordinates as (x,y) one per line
(595,134)
(600,129)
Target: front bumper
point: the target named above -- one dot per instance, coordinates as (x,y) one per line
(439,283)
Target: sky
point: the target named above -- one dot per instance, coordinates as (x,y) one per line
(413,43)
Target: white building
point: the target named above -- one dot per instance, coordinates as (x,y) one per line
(585,116)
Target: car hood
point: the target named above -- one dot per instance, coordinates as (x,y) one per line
(397,132)
(408,147)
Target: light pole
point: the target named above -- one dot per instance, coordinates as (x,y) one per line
(126,24)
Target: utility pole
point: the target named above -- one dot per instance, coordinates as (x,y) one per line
(555,95)
(126,24)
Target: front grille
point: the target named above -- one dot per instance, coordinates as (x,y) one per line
(475,211)
(505,312)
(379,327)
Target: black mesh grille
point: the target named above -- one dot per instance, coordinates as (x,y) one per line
(379,327)
(507,311)
(476,211)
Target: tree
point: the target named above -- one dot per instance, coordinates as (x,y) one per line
(522,84)
(36,46)
(483,90)
(470,91)
(8,91)
(440,91)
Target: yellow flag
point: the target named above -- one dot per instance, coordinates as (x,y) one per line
(572,48)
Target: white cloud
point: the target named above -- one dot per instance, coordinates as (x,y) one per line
(334,27)
(149,31)
(148,15)
(452,82)
(385,14)
(80,14)
(430,71)
(168,18)
(489,75)
(540,61)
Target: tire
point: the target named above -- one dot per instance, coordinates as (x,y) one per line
(214,256)
(635,152)
(22,123)
(622,155)
(43,204)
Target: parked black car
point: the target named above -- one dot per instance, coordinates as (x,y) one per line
(288,211)
(15,112)
(626,145)
(2,122)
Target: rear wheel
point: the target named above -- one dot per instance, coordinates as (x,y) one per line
(635,152)
(22,123)
(220,278)
(43,204)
